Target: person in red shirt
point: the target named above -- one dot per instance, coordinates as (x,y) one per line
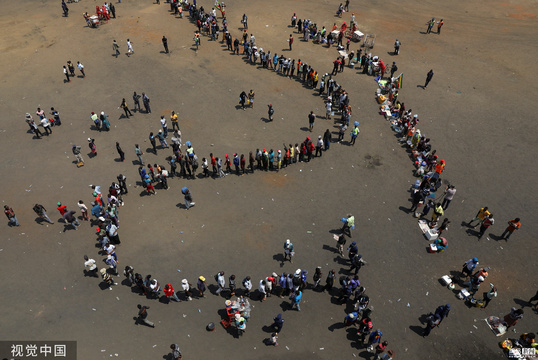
(214,164)
(61,208)
(228,164)
(380,349)
(488,221)
(170,293)
(513,225)
(290,40)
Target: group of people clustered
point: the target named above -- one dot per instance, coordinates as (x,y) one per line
(293,285)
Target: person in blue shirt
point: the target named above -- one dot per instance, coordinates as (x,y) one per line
(142,172)
(236,163)
(296,299)
(278,322)
(350,319)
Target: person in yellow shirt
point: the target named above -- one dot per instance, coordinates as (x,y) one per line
(480,216)
(173,119)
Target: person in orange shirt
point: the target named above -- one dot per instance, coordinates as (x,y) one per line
(513,225)
(440,167)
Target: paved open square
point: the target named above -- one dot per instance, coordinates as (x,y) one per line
(477,110)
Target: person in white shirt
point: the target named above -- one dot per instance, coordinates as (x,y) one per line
(129,48)
(155,288)
(83,209)
(113,234)
(91,266)
(248,286)
(111,250)
(46,125)
(262,291)
(221,282)
(112,263)
(187,288)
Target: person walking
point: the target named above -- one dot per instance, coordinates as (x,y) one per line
(139,154)
(449,195)
(142,316)
(162,139)
(290,41)
(81,69)
(244,21)
(10,214)
(129,48)
(120,152)
(296,300)
(165,44)
(289,250)
(164,125)
(488,221)
(270,112)
(116,48)
(429,77)
(66,73)
(349,224)
(480,216)
(397,45)
(311,120)
(65,9)
(125,108)
(90,267)
(513,225)
(187,197)
(278,323)
(432,321)
(442,311)
(42,213)
(221,282)
(468,267)
(488,296)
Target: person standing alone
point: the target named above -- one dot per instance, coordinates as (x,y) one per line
(165,44)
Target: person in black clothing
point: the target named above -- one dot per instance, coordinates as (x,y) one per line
(65,8)
(243,99)
(165,44)
(125,108)
(236,46)
(136,99)
(120,151)
(142,316)
(152,141)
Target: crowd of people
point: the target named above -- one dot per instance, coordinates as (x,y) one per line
(185,164)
